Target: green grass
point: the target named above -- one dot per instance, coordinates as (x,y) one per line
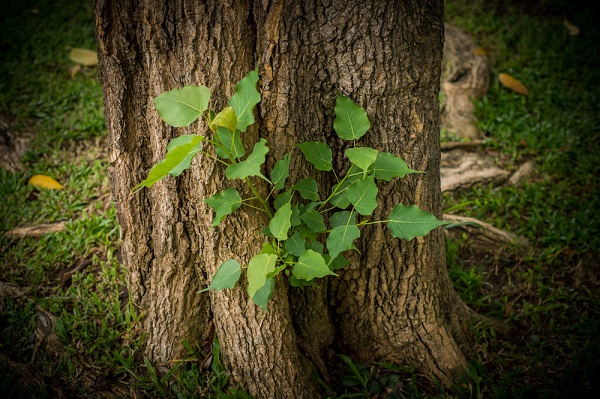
(550,298)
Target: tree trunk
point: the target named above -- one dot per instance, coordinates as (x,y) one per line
(395,301)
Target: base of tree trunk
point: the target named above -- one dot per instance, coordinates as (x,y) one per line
(465,76)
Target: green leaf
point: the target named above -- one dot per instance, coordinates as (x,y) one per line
(317,153)
(313,221)
(342,218)
(339,262)
(245,99)
(387,166)
(258,268)
(281,171)
(315,246)
(224,203)
(363,157)
(311,265)
(363,195)
(295,244)
(180,107)
(250,166)
(282,198)
(267,249)
(351,121)
(263,294)
(341,238)
(409,222)
(308,189)
(307,233)
(187,162)
(176,156)
(340,201)
(266,232)
(231,144)
(281,223)
(226,277)
(298,283)
(225,118)
(278,269)
(296,216)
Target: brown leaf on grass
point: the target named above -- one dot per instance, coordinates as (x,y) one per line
(44,181)
(573,29)
(512,83)
(83,56)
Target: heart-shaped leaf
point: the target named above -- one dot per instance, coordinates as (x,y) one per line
(311,265)
(224,203)
(258,268)
(341,238)
(363,195)
(250,166)
(280,224)
(408,222)
(177,159)
(263,294)
(180,107)
(225,118)
(308,189)
(281,171)
(363,157)
(351,121)
(387,166)
(245,99)
(226,277)
(317,153)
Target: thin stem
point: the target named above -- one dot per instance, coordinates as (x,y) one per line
(214,158)
(335,192)
(363,223)
(252,206)
(258,196)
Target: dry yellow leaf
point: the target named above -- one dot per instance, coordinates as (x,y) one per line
(44,181)
(512,83)
(573,29)
(83,56)
(479,51)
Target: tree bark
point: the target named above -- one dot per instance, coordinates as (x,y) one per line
(395,302)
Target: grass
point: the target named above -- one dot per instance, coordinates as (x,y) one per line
(550,298)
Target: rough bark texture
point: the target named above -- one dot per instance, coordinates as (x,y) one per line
(146,48)
(395,301)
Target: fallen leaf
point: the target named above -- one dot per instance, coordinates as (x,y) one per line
(512,83)
(573,29)
(83,56)
(479,51)
(44,181)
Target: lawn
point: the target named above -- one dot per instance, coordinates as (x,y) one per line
(73,279)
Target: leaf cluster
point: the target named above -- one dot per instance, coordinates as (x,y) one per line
(310,229)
